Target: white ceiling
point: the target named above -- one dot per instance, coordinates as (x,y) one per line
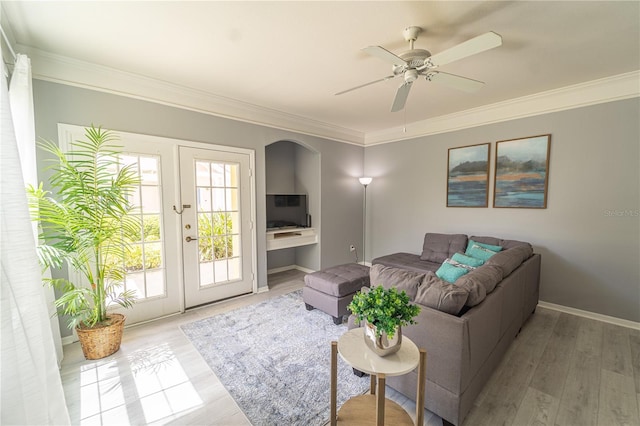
(291,57)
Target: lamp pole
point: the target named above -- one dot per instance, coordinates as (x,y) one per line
(365,181)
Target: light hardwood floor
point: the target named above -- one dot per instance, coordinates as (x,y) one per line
(561,370)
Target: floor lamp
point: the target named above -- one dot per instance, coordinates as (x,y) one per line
(365,181)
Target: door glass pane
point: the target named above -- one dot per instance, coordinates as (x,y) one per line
(150,198)
(202,173)
(143,264)
(204,199)
(218,222)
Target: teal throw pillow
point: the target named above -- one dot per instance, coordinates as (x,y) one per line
(480,252)
(467,260)
(487,246)
(449,272)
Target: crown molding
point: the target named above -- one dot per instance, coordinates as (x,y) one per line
(618,87)
(60,69)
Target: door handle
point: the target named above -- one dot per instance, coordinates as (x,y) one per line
(189,239)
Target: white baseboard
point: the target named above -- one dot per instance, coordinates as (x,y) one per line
(288,268)
(67,340)
(590,315)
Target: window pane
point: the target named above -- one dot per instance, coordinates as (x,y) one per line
(150,199)
(135,282)
(155,283)
(233,223)
(134,197)
(217,174)
(202,173)
(220,247)
(234,245)
(232,175)
(206,273)
(205,248)
(219,223)
(151,226)
(152,255)
(221,271)
(133,259)
(235,269)
(204,199)
(232,199)
(218,199)
(149,171)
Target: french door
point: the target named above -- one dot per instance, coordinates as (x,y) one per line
(216,225)
(184,256)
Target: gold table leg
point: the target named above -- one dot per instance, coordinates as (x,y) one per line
(334,383)
(422,373)
(380,400)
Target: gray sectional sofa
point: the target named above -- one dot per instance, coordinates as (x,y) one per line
(465,326)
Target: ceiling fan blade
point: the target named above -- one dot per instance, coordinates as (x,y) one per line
(470,47)
(389,77)
(384,54)
(455,81)
(401,97)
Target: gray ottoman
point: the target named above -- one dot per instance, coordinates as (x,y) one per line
(332,289)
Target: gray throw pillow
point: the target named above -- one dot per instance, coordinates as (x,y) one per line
(441,295)
(437,247)
(402,279)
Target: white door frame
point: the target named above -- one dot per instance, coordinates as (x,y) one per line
(65,132)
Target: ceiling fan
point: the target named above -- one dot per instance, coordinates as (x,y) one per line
(416,63)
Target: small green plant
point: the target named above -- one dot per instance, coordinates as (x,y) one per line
(386,309)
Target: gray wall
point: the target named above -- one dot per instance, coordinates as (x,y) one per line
(293,168)
(57,103)
(589,235)
(280,168)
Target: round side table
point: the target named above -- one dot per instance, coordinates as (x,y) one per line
(358,410)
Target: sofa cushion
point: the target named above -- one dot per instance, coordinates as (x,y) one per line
(402,279)
(408,261)
(437,247)
(487,276)
(505,244)
(479,252)
(467,260)
(443,296)
(509,260)
(450,272)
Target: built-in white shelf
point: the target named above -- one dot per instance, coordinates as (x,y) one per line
(290,237)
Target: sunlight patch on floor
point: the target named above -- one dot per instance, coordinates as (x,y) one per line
(162,388)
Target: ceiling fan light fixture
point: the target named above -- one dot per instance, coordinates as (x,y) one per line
(410,75)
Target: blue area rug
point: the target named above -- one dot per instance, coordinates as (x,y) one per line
(274,359)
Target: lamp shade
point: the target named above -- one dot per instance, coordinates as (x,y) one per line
(365,180)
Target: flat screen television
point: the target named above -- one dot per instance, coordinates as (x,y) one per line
(286,210)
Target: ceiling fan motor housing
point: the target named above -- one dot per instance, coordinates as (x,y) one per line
(413,58)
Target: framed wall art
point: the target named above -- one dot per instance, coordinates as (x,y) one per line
(522,172)
(468,176)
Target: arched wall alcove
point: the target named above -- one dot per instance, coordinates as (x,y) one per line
(291,167)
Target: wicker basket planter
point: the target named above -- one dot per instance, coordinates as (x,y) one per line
(102,340)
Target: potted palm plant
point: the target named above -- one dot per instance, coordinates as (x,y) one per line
(383,312)
(87,223)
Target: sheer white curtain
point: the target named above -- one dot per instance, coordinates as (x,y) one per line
(21,104)
(31,390)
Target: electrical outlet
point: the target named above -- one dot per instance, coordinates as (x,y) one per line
(352,248)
